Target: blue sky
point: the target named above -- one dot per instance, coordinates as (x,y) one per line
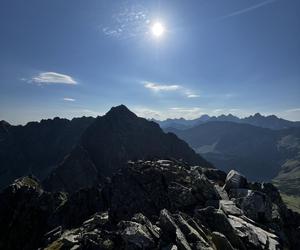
(80,57)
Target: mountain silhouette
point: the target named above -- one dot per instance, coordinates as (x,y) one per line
(115,138)
(37,147)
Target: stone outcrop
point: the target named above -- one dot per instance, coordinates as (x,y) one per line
(235,180)
(149,205)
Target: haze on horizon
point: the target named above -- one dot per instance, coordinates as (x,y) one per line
(162,59)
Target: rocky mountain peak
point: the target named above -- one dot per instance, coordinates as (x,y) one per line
(2,122)
(120,111)
(257,115)
(204,117)
(113,139)
(4,125)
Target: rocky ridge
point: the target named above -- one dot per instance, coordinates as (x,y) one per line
(37,147)
(109,142)
(159,204)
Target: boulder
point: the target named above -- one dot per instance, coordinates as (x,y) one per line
(222,193)
(229,208)
(215,220)
(98,220)
(171,232)
(221,242)
(143,220)
(215,175)
(92,234)
(253,236)
(136,234)
(181,196)
(177,230)
(204,190)
(235,180)
(193,237)
(256,205)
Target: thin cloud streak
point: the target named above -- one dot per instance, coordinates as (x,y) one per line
(158,87)
(67,99)
(251,8)
(161,87)
(293,110)
(192,96)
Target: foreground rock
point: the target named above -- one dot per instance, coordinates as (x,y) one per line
(159,204)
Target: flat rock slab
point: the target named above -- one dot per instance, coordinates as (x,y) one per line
(230,208)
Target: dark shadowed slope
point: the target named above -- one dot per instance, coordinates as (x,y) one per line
(37,147)
(258,152)
(113,139)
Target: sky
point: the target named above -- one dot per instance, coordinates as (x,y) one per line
(80,57)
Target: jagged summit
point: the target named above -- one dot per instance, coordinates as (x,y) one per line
(37,147)
(118,136)
(120,110)
(4,122)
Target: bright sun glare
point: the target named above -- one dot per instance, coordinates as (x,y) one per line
(158,29)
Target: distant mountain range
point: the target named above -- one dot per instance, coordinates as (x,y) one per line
(271,121)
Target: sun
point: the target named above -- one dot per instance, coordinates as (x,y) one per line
(157,29)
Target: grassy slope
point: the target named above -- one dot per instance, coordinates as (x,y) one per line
(288,182)
(293,202)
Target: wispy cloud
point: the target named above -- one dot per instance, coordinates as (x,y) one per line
(248,9)
(186,112)
(45,78)
(192,96)
(67,99)
(218,111)
(293,110)
(148,112)
(161,87)
(128,22)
